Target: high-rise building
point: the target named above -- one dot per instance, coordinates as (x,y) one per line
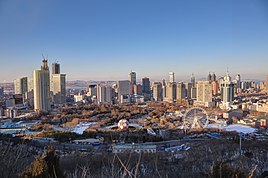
(55,68)
(209,77)
(42,88)
(157,91)
(171,77)
(213,78)
(21,86)
(146,88)
(137,89)
(58,85)
(92,90)
(181,91)
(104,94)
(227,92)
(215,87)
(188,88)
(267,83)
(146,85)
(193,80)
(123,89)
(1,92)
(132,78)
(58,88)
(204,93)
(170,91)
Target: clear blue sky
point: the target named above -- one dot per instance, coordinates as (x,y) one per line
(105,39)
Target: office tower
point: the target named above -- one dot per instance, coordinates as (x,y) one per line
(101,94)
(215,87)
(104,94)
(123,89)
(146,85)
(58,85)
(1,92)
(137,89)
(55,68)
(170,91)
(209,77)
(157,91)
(181,91)
(42,88)
(213,78)
(164,89)
(193,89)
(58,88)
(146,89)
(21,85)
(267,83)
(204,93)
(171,77)
(132,78)
(193,92)
(188,88)
(92,90)
(227,92)
(193,80)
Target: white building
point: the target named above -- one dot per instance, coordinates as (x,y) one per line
(227,92)
(42,88)
(104,94)
(21,85)
(204,93)
(58,88)
(171,77)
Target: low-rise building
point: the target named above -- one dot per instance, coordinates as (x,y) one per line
(133,148)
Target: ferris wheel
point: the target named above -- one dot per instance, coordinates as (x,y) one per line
(195,118)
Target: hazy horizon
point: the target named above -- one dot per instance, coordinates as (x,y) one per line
(105,40)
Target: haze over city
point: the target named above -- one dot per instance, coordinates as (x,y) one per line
(94,39)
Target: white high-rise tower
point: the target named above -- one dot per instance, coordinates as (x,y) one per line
(42,88)
(227,92)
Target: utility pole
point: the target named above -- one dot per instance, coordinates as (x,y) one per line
(240,142)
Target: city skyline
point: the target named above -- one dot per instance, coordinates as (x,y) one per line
(93,39)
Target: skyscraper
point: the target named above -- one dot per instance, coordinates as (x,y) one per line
(209,77)
(1,92)
(204,93)
(227,92)
(104,94)
(58,85)
(181,91)
(55,68)
(170,91)
(132,78)
(146,85)
(213,78)
(267,83)
(193,80)
(137,89)
(157,91)
(123,89)
(42,88)
(58,88)
(171,77)
(193,89)
(146,88)
(21,86)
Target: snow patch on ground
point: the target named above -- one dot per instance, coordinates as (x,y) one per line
(234,127)
(81,127)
